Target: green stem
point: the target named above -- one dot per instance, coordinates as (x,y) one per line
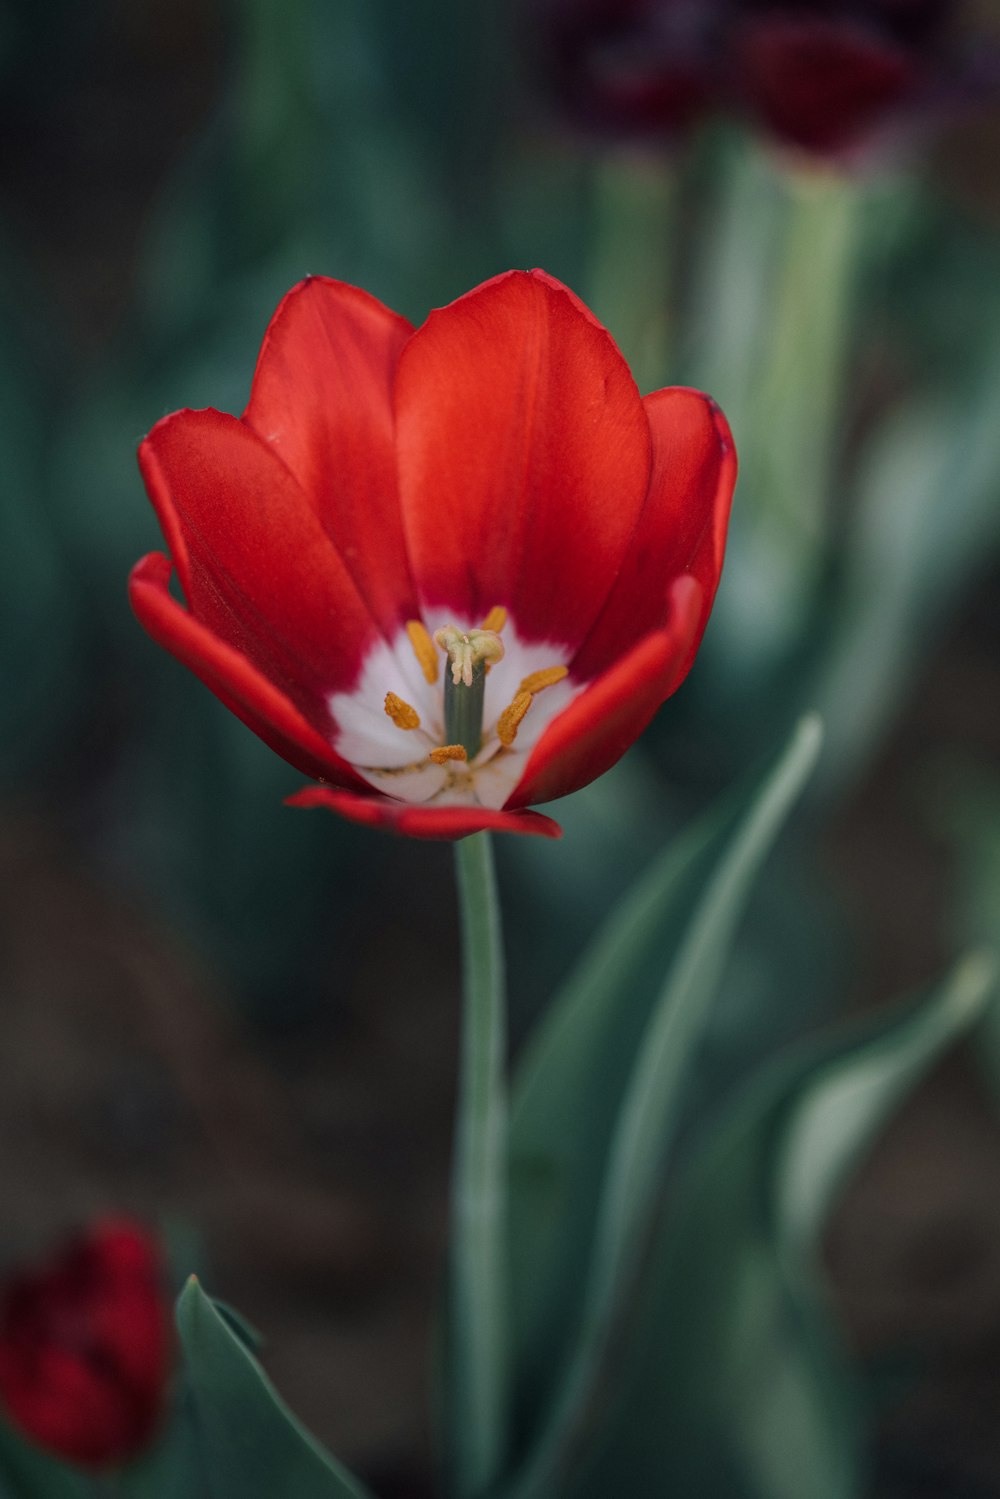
(801,385)
(777,312)
(477,1372)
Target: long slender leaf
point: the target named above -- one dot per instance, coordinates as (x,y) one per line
(629,1158)
(908,556)
(566,1088)
(735,1385)
(253,1445)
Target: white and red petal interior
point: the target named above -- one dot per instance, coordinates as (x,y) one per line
(396,761)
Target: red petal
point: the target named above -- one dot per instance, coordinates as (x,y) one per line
(255,564)
(233,679)
(524,456)
(446,823)
(322,400)
(682,528)
(68,1407)
(597,728)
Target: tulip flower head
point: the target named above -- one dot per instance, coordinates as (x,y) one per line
(449,572)
(85,1347)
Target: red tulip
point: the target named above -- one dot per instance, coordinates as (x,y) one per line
(450,572)
(85,1347)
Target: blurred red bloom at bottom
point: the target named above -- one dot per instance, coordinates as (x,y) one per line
(85,1346)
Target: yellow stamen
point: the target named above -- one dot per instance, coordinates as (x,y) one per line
(423,648)
(510,719)
(448,752)
(547,677)
(402,715)
(496,619)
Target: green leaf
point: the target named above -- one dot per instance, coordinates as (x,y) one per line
(251,1337)
(735,1384)
(28,1473)
(907,558)
(174,1468)
(253,1445)
(598,1098)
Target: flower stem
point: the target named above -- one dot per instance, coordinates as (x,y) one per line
(477,1362)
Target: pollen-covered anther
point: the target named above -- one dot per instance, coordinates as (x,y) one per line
(496,619)
(423,648)
(510,719)
(402,715)
(468,649)
(547,677)
(446,752)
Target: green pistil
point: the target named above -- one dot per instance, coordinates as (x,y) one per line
(470,653)
(463,710)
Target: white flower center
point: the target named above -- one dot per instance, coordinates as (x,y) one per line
(374,737)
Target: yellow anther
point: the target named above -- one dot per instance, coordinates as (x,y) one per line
(547,677)
(510,719)
(402,715)
(496,619)
(423,648)
(466,649)
(448,752)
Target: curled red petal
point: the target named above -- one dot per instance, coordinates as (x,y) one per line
(597,728)
(322,400)
(253,560)
(524,456)
(682,528)
(231,676)
(442,823)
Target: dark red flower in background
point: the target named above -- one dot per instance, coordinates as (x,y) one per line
(826,79)
(85,1346)
(628,66)
(451,572)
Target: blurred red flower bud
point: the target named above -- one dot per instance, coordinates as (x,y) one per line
(635,67)
(85,1346)
(827,80)
(824,79)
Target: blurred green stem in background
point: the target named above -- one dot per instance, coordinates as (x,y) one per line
(631,265)
(774,313)
(477,1351)
(278,133)
(801,380)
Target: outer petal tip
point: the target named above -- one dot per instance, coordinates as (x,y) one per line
(154,567)
(444,824)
